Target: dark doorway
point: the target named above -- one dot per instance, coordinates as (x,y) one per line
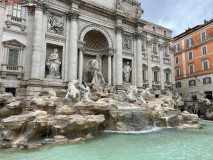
(209,95)
(11,90)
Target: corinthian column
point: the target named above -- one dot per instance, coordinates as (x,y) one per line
(2,16)
(119,58)
(81,61)
(37,41)
(149,52)
(73,49)
(139,69)
(162,79)
(110,54)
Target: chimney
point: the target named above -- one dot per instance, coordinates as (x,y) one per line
(205,21)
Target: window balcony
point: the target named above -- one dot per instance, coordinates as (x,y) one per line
(11,70)
(156,85)
(16,21)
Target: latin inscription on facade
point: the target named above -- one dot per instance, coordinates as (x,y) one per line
(107,3)
(93,15)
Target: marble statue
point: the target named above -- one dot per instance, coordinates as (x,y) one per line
(119,5)
(146,94)
(55,24)
(53,64)
(139,11)
(75,92)
(96,72)
(131,94)
(127,72)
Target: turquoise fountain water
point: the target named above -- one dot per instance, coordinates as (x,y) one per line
(165,144)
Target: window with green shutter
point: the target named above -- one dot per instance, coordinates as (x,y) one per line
(13,57)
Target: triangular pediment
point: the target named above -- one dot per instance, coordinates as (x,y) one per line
(14,42)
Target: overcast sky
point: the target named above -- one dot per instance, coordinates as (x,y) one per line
(177,15)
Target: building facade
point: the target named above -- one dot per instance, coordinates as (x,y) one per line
(47,45)
(194,61)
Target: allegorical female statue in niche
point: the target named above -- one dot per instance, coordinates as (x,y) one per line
(53,64)
(127,72)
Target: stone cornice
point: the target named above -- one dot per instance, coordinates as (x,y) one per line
(40,5)
(111,13)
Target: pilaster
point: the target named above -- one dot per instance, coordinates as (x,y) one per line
(162,78)
(149,56)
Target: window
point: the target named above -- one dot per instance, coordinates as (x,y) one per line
(203,36)
(17,10)
(190,55)
(205,65)
(153,29)
(192,83)
(178,85)
(207,80)
(156,76)
(177,72)
(189,42)
(144,74)
(13,57)
(167,77)
(204,50)
(177,60)
(191,68)
(176,48)
(164,33)
(154,47)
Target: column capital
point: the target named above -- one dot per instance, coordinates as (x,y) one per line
(73,15)
(138,35)
(110,53)
(119,29)
(160,46)
(41,6)
(81,46)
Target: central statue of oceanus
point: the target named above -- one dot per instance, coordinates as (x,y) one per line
(96,72)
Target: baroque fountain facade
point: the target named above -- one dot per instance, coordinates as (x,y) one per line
(85,66)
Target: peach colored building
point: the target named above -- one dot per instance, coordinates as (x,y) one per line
(193,60)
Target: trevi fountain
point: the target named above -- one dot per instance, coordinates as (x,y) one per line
(97,84)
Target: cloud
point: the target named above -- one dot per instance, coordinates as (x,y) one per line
(177,15)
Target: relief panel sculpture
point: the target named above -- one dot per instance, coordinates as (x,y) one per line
(127,42)
(55,24)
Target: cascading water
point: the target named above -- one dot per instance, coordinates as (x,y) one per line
(167,122)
